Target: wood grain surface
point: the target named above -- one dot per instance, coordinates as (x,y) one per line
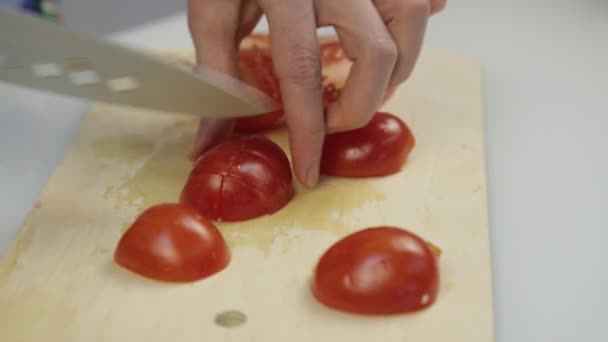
(58,281)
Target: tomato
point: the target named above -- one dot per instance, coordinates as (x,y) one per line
(174,243)
(240,179)
(335,71)
(377,271)
(380,148)
(257,123)
(255,66)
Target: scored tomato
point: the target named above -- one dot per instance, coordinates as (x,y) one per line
(240,179)
(173,243)
(378,149)
(378,271)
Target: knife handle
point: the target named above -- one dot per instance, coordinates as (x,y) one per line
(45,8)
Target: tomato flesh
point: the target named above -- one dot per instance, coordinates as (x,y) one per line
(173,243)
(378,149)
(240,179)
(377,271)
(256,69)
(257,123)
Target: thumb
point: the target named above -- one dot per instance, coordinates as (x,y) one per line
(213,35)
(216,39)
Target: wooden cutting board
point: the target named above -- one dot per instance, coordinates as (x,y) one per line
(58,282)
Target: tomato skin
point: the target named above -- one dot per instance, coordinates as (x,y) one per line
(378,149)
(336,67)
(257,123)
(256,69)
(240,179)
(172,243)
(377,271)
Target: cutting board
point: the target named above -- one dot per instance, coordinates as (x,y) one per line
(58,281)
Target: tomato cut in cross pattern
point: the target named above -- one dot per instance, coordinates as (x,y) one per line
(240,179)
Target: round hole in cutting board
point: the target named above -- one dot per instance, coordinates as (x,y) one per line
(230,318)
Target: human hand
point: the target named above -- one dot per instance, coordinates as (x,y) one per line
(383,38)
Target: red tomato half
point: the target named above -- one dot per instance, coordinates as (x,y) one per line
(255,66)
(378,271)
(240,179)
(174,243)
(377,149)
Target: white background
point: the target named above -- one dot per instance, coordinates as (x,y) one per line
(546,103)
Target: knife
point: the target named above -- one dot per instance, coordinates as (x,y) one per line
(40,54)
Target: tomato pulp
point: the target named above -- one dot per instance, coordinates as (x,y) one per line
(377,271)
(378,149)
(255,67)
(240,179)
(174,243)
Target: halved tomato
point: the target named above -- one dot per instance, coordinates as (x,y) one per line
(378,271)
(378,149)
(256,68)
(240,179)
(174,243)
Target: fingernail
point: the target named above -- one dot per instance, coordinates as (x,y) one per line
(312,175)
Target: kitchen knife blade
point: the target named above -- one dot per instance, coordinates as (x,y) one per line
(37,53)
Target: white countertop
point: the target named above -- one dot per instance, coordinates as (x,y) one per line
(546,65)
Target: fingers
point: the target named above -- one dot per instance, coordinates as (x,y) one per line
(406,20)
(216,39)
(365,40)
(214,36)
(296,58)
(437,6)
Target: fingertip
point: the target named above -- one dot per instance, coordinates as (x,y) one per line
(340,120)
(306,137)
(311,179)
(437,6)
(306,150)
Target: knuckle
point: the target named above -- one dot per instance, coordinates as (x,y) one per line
(404,9)
(355,122)
(354,119)
(301,67)
(383,50)
(401,74)
(417,7)
(437,6)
